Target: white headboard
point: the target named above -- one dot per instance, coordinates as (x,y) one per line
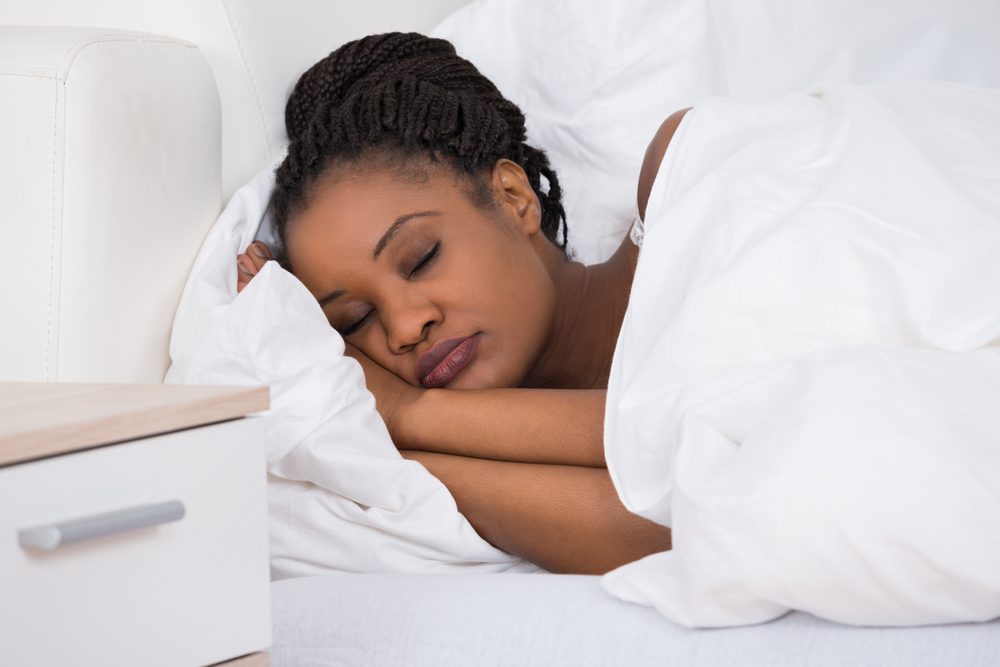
(255,48)
(118,150)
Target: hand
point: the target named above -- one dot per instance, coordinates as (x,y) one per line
(250,262)
(393,396)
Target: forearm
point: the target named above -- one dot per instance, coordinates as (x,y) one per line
(525,425)
(564,518)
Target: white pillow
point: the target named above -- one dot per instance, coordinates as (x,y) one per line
(596,78)
(341,498)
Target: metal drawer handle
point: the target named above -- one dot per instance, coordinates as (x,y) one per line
(56,535)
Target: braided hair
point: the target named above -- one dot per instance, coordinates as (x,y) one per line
(412,96)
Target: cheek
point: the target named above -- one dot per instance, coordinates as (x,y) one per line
(514,285)
(515,300)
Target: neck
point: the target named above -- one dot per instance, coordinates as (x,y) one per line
(590,306)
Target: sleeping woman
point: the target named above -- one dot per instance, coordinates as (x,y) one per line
(433,237)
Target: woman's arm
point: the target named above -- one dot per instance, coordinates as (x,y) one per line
(654,156)
(563,518)
(560,426)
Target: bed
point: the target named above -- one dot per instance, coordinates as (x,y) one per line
(530,619)
(453,600)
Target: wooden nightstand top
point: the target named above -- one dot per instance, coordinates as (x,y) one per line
(39,419)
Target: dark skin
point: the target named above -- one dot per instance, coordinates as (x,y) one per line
(517,434)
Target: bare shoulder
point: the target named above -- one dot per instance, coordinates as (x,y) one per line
(654,156)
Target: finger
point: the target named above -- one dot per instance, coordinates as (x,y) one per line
(242,274)
(246,267)
(260,248)
(259,254)
(245,270)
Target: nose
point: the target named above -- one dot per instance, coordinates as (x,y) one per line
(407,319)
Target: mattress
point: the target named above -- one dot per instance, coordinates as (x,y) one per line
(548,619)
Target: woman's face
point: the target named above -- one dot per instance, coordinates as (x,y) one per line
(431,286)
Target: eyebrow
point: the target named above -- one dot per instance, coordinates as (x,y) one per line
(381,246)
(395,227)
(332,296)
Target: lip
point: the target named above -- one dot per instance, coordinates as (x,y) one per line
(438,366)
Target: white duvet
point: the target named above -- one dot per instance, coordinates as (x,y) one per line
(806,387)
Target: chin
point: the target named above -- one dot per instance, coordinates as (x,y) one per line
(480,380)
(471,383)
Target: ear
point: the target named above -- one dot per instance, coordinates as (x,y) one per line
(516,196)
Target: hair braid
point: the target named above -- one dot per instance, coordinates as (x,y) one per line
(413,95)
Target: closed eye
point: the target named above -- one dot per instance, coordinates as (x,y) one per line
(357,324)
(425,260)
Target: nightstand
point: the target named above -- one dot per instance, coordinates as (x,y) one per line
(133,525)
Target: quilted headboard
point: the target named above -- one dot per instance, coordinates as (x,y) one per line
(120,145)
(255,48)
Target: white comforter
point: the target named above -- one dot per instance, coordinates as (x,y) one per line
(807,382)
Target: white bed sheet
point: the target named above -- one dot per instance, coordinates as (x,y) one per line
(548,619)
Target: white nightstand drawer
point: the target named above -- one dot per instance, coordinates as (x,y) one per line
(190,591)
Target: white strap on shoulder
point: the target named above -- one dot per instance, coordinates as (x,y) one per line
(638,230)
